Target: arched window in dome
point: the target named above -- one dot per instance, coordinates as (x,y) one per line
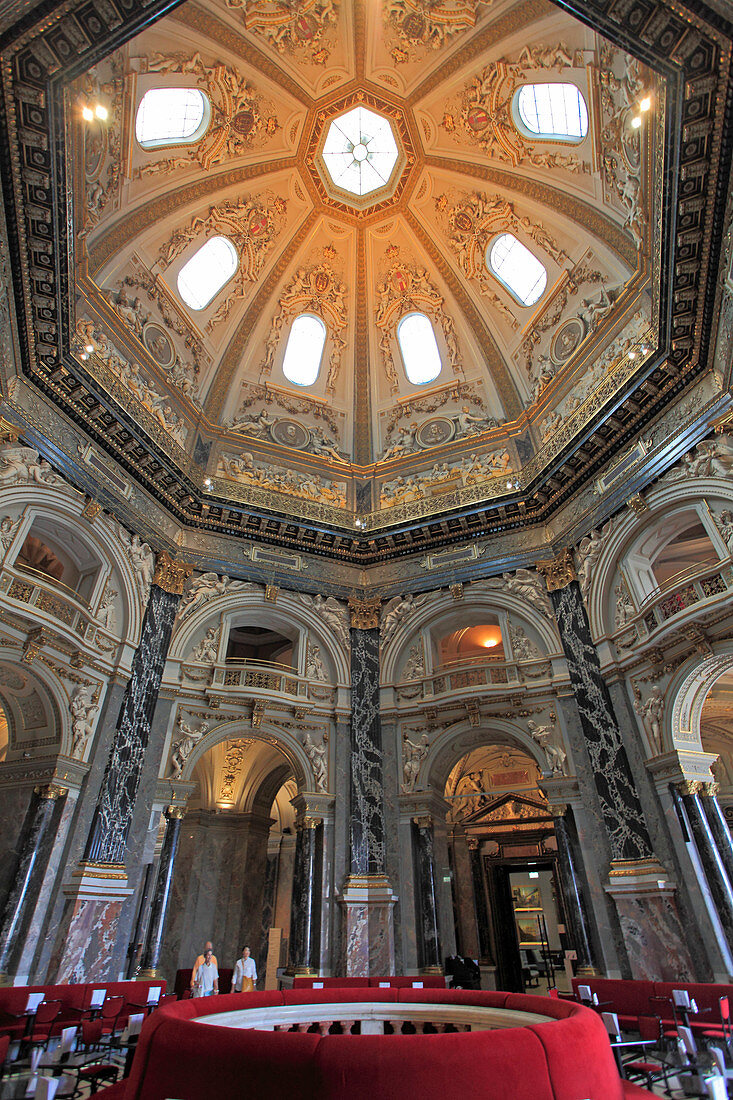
(517,268)
(556,111)
(207,271)
(304,350)
(419,349)
(171,116)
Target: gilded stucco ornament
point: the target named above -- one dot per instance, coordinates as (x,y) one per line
(558,572)
(171,575)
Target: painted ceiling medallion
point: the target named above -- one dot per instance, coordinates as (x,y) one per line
(360,152)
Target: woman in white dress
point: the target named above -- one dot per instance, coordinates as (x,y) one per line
(245,973)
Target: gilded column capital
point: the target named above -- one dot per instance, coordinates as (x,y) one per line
(364,613)
(170,574)
(472,843)
(690,786)
(558,572)
(50,791)
(175,813)
(310,822)
(423,821)
(558,809)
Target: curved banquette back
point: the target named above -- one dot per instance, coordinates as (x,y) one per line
(567,1057)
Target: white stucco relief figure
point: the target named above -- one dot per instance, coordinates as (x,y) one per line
(207,650)
(184,746)
(210,586)
(413,752)
(525,584)
(723,521)
(141,556)
(8,528)
(625,609)
(318,756)
(314,667)
(332,612)
(651,711)
(83,713)
(710,458)
(524,648)
(19,464)
(587,555)
(108,608)
(415,664)
(555,755)
(395,612)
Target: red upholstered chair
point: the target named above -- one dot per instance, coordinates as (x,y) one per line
(636,1067)
(722,1032)
(110,1014)
(47,1014)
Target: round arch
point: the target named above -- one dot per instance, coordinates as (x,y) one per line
(442,605)
(288,612)
(454,743)
(34,693)
(290,748)
(687,692)
(663,501)
(64,506)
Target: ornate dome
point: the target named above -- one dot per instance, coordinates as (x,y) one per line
(358,269)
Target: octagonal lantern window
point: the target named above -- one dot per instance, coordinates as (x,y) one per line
(360,151)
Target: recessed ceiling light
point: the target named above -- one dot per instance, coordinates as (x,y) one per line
(636,122)
(645,103)
(87,114)
(100,111)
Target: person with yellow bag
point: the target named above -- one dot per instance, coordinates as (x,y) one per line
(245,973)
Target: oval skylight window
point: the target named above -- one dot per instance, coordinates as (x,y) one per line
(171,116)
(419,349)
(556,111)
(207,271)
(516,267)
(302,360)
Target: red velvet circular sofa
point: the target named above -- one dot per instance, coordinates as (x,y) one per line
(565,1057)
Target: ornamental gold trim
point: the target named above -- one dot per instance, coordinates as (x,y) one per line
(558,572)
(170,574)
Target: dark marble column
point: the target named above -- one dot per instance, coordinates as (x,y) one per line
(367,895)
(32,847)
(479,899)
(619,800)
(429,954)
(116,802)
(367,787)
(711,859)
(305,919)
(718,825)
(576,910)
(161,896)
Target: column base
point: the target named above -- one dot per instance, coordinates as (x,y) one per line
(432,970)
(650,923)
(301,972)
(369,902)
(145,975)
(588,972)
(85,942)
(5,979)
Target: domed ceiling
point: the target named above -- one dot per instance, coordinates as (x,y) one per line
(288,166)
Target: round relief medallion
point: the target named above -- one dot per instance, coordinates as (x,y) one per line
(566,340)
(95,147)
(433,432)
(290,433)
(159,345)
(478,119)
(463,222)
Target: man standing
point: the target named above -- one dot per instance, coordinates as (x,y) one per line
(199,960)
(207,976)
(245,973)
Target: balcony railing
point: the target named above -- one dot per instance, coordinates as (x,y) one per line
(36,589)
(471,674)
(684,590)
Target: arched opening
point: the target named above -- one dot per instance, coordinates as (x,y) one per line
(468,644)
(261,645)
(508,903)
(171,116)
(304,350)
(234,870)
(419,349)
(716,735)
(52,552)
(555,111)
(4,734)
(668,555)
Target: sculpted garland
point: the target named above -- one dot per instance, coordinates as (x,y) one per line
(252,225)
(315,290)
(304,29)
(237,119)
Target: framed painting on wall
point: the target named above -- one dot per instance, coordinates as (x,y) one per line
(527,897)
